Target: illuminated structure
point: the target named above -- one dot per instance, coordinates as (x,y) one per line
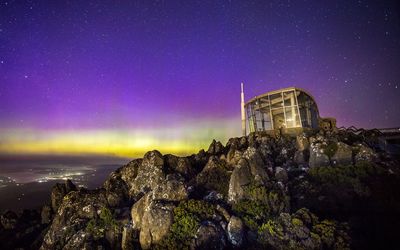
(290,111)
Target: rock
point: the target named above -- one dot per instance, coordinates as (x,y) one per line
(129,235)
(185,168)
(150,173)
(225,214)
(365,154)
(117,190)
(256,165)
(343,155)
(138,210)
(75,210)
(215,176)
(209,236)
(233,156)
(235,231)
(9,220)
(243,142)
(215,148)
(302,142)
(59,191)
(128,174)
(317,156)
(173,188)
(156,223)
(299,157)
(213,196)
(46,214)
(241,176)
(281,174)
(233,143)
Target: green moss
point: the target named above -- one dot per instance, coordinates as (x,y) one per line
(272,228)
(187,217)
(256,192)
(297,222)
(253,213)
(326,231)
(350,178)
(105,221)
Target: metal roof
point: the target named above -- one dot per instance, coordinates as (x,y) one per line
(279,91)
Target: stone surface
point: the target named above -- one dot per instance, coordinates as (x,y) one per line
(242,195)
(317,156)
(281,174)
(150,173)
(156,223)
(241,177)
(209,236)
(364,154)
(173,188)
(235,231)
(59,191)
(343,155)
(215,148)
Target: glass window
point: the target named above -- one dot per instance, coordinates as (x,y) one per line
(250,118)
(276,100)
(278,118)
(289,99)
(292,117)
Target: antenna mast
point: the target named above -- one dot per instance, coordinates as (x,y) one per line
(242,110)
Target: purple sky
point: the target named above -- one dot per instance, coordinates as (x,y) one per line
(114,65)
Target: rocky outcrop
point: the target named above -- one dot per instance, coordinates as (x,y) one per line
(59,191)
(257,192)
(155,223)
(150,173)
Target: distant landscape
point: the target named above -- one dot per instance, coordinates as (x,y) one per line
(26,182)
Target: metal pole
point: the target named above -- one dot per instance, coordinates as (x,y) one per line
(242,110)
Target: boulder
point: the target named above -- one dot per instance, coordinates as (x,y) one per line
(256,165)
(241,177)
(317,156)
(233,156)
(299,157)
(138,210)
(215,176)
(173,188)
(365,154)
(215,148)
(302,142)
(281,174)
(59,191)
(129,172)
(73,214)
(117,190)
(129,236)
(236,231)
(156,222)
(343,155)
(209,236)
(150,173)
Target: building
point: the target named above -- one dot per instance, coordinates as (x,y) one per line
(288,111)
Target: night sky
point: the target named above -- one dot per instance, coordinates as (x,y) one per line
(119,77)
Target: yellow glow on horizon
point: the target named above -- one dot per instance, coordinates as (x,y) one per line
(130,143)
